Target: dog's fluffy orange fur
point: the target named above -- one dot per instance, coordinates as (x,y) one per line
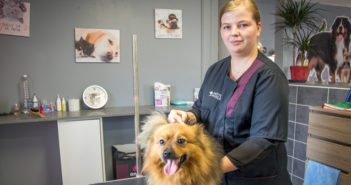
(179,154)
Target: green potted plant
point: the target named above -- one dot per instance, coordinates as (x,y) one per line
(303,44)
(299,19)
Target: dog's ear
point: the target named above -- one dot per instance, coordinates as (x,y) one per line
(93,36)
(78,44)
(348,25)
(152,122)
(88,48)
(335,24)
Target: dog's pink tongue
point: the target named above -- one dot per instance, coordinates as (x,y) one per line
(171,167)
(340,37)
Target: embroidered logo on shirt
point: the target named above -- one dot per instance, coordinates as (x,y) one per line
(215,95)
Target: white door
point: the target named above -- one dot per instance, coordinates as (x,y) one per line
(81,152)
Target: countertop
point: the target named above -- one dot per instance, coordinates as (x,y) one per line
(322,85)
(318,109)
(86,114)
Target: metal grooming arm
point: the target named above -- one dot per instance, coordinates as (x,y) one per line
(136,102)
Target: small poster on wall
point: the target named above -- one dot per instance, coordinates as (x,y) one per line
(97,45)
(14,17)
(329,57)
(168,23)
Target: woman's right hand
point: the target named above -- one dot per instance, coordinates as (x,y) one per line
(177,116)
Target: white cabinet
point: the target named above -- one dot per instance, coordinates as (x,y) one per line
(81,151)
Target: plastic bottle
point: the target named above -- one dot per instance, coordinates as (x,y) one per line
(26,87)
(63,104)
(58,103)
(35,102)
(196,94)
(51,107)
(44,106)
(16,109)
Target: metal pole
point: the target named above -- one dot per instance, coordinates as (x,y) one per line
(136,102)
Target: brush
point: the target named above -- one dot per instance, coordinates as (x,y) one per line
(37,113)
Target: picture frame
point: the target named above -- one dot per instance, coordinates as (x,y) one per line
(97,45)
(168,23)
(15,18)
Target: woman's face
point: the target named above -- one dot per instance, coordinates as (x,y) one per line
(240,31)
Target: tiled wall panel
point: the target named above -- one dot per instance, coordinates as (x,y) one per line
(301,96)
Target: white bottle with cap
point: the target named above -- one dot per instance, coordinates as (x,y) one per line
(58,103)
(35,102)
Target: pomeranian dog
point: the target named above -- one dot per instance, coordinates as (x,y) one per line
(179,154)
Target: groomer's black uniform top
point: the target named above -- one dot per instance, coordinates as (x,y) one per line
(250,118)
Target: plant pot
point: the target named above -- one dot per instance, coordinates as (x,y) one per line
(298,73)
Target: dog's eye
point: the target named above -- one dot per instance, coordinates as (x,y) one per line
(162,142)
(110,41)
(181,141)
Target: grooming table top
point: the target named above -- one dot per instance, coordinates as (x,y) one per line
(129,181)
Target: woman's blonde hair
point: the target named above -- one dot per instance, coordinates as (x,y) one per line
(231,5)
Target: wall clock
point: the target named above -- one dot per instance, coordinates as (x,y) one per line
(95,97)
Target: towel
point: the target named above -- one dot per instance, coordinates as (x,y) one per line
(320,174)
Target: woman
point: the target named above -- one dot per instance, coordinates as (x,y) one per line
(243,102)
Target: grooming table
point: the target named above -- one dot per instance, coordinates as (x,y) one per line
(129,181)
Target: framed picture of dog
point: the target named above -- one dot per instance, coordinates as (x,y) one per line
(329,60)
(168,23)
(14,18)
(97,45)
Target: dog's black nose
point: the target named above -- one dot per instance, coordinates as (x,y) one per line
(166,154)
(109,56)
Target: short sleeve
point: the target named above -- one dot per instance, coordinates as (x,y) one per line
(270,110)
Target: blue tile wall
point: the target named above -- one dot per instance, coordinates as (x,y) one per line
(301,132)
(337,95)
(290,164)
(299,168)
(311,96)
(300,150)
(289,147)
(296,180)
(301,96)
(292,94)
(302,114)
(291,128)
(292,113)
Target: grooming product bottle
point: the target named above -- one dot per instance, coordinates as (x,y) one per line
(196,94)
(35,102)
(63,104)
(52,106)
(26,87)
(58,103)
(16,109)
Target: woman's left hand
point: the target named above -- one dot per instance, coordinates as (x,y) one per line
(177,116)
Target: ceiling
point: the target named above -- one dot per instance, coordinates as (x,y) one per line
(343,3)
